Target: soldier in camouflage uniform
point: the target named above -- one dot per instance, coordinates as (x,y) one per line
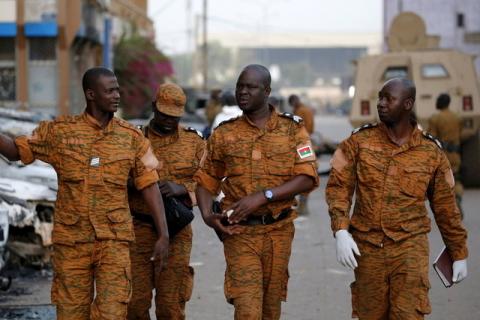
(306,113)
(393,168)
(93,154)
(179,151)
(260,160)
(446,126)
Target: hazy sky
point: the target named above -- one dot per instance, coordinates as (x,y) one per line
(172,20)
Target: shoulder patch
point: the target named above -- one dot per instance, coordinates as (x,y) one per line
(190,129)
(228,120)
(291,116)
(432,138)
(366,126)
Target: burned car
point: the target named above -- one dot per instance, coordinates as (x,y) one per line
(28,194)
(27,200)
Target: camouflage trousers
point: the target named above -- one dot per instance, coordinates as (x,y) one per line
(173,285)
(83,267)
(257,272)
(391,281)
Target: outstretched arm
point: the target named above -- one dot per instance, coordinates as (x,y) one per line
(8,148)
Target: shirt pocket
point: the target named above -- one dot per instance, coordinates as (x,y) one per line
(120,222)
(414,182)
(280,160)
(237,159)
(183,169)
(370,170)
(67,217)
(116,169)
(72,165)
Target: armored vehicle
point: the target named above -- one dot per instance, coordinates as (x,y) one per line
(416,56)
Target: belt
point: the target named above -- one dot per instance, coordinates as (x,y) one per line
(265,219)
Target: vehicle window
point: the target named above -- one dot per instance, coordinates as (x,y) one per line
(434,71)
(395,72)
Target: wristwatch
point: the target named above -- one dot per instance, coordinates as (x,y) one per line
(268,193)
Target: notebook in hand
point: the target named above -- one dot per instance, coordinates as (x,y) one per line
(443,266)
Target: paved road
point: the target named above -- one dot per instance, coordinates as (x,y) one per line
(318,287)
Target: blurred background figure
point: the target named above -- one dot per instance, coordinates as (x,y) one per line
(214,107)
(230,109)
(306,113)
(274,101)
(446,127)
(301,110)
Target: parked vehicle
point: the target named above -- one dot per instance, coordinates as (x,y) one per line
(416,56)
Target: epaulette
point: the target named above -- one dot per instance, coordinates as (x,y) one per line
(293,117)
(190,129)
(142,128)
(228,120)
(365,126)
(127,125)
(430,137)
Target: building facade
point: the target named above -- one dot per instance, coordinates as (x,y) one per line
(46,46)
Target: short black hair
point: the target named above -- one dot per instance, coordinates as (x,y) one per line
(91,76)
(443,101)
(228,98)
(266,77)
(292,98)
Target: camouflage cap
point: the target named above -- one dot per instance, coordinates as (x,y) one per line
(170,100)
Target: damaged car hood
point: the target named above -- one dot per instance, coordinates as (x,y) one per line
(25,191)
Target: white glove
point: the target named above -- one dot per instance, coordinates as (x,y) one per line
(346,246)
(459,270)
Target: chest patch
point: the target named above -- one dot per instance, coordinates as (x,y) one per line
(95,162)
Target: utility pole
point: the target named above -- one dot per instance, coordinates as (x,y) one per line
(205,49)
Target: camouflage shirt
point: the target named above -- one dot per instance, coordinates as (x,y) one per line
(179,156)
(243,159)
(92,165)
(391,184)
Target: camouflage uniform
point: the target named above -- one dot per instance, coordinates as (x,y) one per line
(179,157)
(307,115)
(390,221)
(93,226)
(252,159)
(446,127)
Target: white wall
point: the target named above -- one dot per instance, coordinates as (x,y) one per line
(8,11)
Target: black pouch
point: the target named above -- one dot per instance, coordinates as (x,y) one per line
(178,215)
